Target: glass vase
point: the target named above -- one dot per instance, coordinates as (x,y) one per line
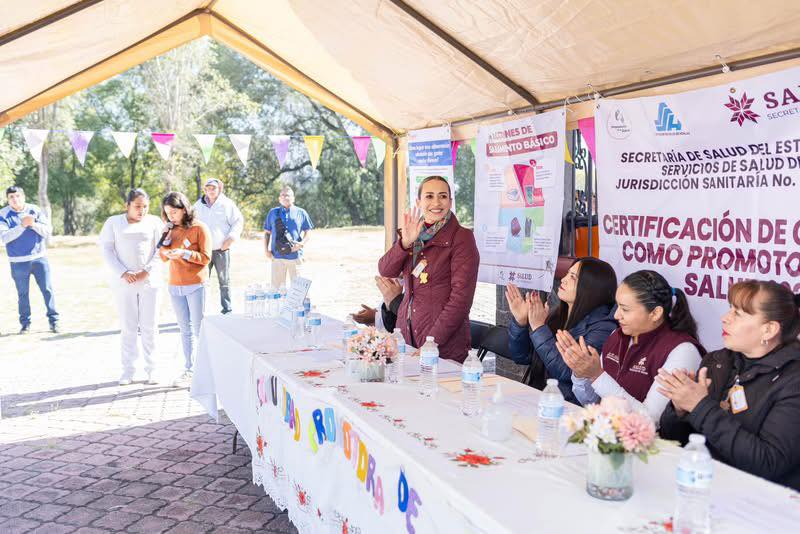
(372,372)
(610,476)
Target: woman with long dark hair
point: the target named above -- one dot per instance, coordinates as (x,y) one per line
(586,296)
(746,397)
(656,330)
(438,261)
(186,245)
(129,242)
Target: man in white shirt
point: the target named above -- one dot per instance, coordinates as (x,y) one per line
(225,222)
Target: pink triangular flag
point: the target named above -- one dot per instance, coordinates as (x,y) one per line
(35,140)
(454,148)
(80,144)
(586,127)
(280,143)
(361,145)
(163,142)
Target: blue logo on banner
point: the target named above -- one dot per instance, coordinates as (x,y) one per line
(667,121)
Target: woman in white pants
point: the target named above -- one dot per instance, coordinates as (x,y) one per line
(130,244)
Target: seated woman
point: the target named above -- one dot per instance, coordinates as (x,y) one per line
(438,261)
(587,298)
(746,397)
(654,332)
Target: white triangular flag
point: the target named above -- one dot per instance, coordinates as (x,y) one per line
(380,149)
(206,142)
(125,142)
(35,140)
(241,142)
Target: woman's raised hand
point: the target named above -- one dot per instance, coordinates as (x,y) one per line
(412,226)
(517,304)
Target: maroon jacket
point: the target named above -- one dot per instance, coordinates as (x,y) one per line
(635,367)
(440,307)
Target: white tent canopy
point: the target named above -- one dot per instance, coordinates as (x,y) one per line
(397,65)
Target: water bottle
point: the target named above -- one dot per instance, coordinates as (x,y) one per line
(551,407)
(471,372)
(490,363)
(261,302)
(694,476)
(276,303)
(248,301)
(429,367)
(298,324)
(307,308)
(315,325)
(398,370)
(348,330)
(496,423)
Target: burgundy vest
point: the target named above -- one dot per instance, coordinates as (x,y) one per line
(635,366)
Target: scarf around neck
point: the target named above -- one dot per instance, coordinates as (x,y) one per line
(426,235)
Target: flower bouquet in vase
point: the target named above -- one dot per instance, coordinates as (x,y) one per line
(613,433)
(368,353)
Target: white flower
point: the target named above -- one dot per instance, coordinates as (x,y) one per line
(591,441)
(602,428)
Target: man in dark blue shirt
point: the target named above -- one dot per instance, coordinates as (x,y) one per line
(286,233)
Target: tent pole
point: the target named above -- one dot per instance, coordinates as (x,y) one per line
(47,21)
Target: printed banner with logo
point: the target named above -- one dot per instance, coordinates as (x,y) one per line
(519,199)
(430,153)
(703,187)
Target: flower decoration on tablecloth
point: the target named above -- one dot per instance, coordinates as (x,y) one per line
(343,524)
(663,526)
(470,458)
(372,346)
(611,427)
(313,373)
(303,498)
(275,469)
(371,405)
(397,422)
(428,441)
(260,444)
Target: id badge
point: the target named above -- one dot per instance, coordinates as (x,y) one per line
(186,243)
(419,268)
(737,399)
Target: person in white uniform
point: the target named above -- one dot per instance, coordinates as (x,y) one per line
(129,243)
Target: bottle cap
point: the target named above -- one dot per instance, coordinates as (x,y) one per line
(697,439)
(429,338)
(552,382)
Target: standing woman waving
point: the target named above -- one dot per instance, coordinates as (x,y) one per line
(129,243)
(186,245)
(438,261)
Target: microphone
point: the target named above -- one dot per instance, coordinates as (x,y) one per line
(161,242)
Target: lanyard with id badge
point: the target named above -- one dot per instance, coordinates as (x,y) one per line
(736,397)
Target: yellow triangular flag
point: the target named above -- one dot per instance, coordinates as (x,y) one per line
(567,155)
(314,146)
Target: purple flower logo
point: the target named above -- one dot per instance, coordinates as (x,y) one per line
(741,109)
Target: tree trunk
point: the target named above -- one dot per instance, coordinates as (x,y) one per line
(69,206)
(44,199)
(197,182)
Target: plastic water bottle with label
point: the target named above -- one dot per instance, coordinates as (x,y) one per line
(471,373)
(496,423)
(694,476)
(307,308)
(249,297)
(298,325)
(429,367)
(315,325)
(397,372)
(261,302)
(276,303)
(348,330)
(551,407)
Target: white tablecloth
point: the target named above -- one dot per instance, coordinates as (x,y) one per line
(413,464)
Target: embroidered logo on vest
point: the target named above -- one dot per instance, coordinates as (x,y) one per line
(640,366)
(613,357)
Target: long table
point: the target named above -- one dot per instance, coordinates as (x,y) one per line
(351,457)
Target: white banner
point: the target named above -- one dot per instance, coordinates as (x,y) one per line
(125,142)
(703,187)
(35,140)
(519,199)
(241,142)
(429,154)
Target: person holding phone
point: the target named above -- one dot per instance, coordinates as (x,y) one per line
(186,245)
(586,295)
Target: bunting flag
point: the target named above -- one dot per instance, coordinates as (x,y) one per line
(314,146)
(80,143)
(125,142)
(206,142)
(586,126)
(454,150)
(567,155)
(280,143)
(473,145)
(163,142)
(380,150)
(35,140)
(241,142)
(361,145)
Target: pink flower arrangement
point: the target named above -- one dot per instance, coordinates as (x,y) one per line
(611,427)
(371,346)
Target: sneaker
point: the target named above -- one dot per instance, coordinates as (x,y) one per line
(25,329)
(54,328)
(125,380)
(183,381)
(150,380)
